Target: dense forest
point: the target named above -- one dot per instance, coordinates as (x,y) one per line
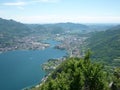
(105,46)
(81,74)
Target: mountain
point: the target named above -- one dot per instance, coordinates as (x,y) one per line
(100,27)
(58,28)
(72,27)
(106,46)
(12,27)
(11,32)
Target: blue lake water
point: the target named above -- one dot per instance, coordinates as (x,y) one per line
(19,69)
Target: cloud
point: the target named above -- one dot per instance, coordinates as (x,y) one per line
(56,18)
(108,19)
(40,19)
(20,5)
(23,3)
(47,1)
(15,4)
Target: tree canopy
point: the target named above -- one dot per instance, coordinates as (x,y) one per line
(77,74)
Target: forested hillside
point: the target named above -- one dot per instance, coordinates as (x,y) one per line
(12,28)
(105,46)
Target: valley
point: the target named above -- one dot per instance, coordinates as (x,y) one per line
(73,40)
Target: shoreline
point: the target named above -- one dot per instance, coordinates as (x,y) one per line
(45,77)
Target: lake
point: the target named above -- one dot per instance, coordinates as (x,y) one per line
(19,69)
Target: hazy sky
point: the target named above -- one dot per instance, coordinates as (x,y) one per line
(51,11)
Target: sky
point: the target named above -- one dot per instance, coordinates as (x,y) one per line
(55,11)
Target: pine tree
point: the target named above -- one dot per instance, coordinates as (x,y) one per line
(77,74)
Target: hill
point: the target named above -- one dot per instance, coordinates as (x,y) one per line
(106,46)
(12,34)
(59,28)
(73,27)
(11,27)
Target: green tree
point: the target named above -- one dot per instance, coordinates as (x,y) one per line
(116,79)
(77,74)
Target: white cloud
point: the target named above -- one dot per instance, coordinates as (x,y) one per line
(46,1)
(56,18)
(108,19)
(23,3)
(39,19)
(14,3)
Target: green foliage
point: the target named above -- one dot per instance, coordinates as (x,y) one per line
(13,28)
(106,46)
(116,79)
(77,74)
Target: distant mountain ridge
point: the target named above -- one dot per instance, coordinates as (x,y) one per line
(72,26)
(59,27)
(16,28)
